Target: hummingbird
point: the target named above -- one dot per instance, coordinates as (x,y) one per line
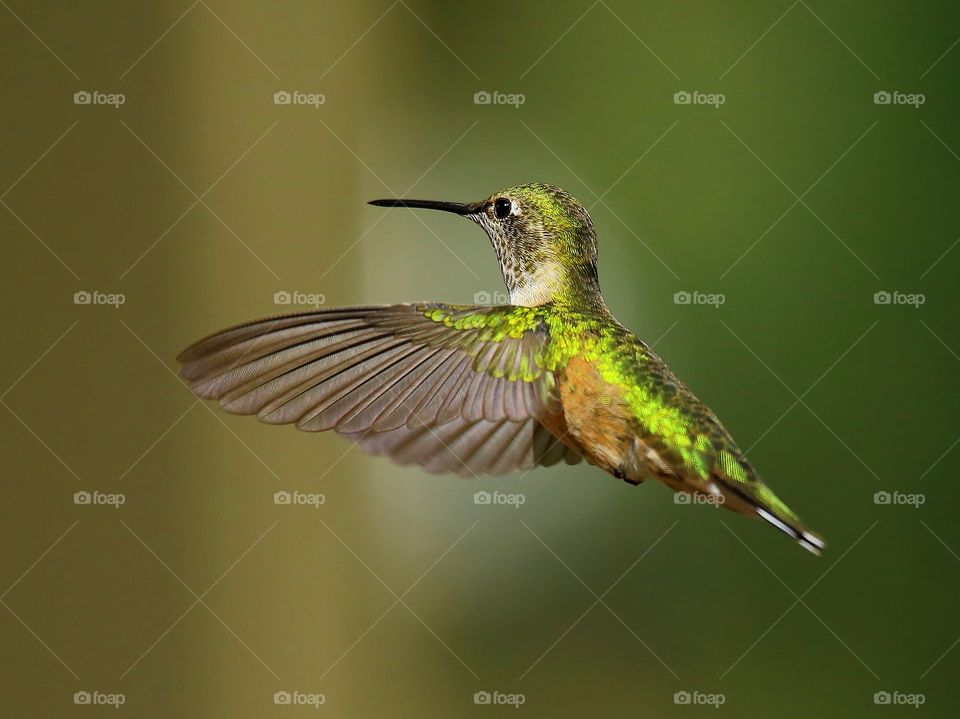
(488,389)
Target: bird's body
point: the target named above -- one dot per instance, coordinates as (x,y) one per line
(619,405)
(474,389)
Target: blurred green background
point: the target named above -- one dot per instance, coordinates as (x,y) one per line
(798,198)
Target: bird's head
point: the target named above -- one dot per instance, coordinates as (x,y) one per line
(543,237)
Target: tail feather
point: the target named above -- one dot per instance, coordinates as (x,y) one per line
(805,538)
(755,498)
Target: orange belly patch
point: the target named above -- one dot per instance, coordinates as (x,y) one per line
(597,419)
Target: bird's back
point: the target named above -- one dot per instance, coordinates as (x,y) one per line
(616,391)
(625,411)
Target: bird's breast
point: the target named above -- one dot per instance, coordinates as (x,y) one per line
(594,418)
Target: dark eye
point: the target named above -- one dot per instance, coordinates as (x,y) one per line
(502,207)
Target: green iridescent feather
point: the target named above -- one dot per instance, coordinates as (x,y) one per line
(668,416)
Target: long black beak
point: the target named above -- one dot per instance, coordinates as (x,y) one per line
(457,208)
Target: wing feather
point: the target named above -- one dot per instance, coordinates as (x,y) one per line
(451,388)
(470,448)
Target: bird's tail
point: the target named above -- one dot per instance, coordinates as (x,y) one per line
(754,498)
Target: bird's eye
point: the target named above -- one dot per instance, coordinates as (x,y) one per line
(502,207)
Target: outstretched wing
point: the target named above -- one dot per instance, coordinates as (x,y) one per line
(450,387)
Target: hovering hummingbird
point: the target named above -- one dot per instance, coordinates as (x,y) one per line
(470,389)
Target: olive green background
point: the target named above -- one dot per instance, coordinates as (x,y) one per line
(797,199)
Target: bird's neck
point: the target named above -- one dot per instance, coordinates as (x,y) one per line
(553,282)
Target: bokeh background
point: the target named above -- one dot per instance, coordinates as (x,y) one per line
(199,198)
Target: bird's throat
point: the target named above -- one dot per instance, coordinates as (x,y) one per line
(552,282)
